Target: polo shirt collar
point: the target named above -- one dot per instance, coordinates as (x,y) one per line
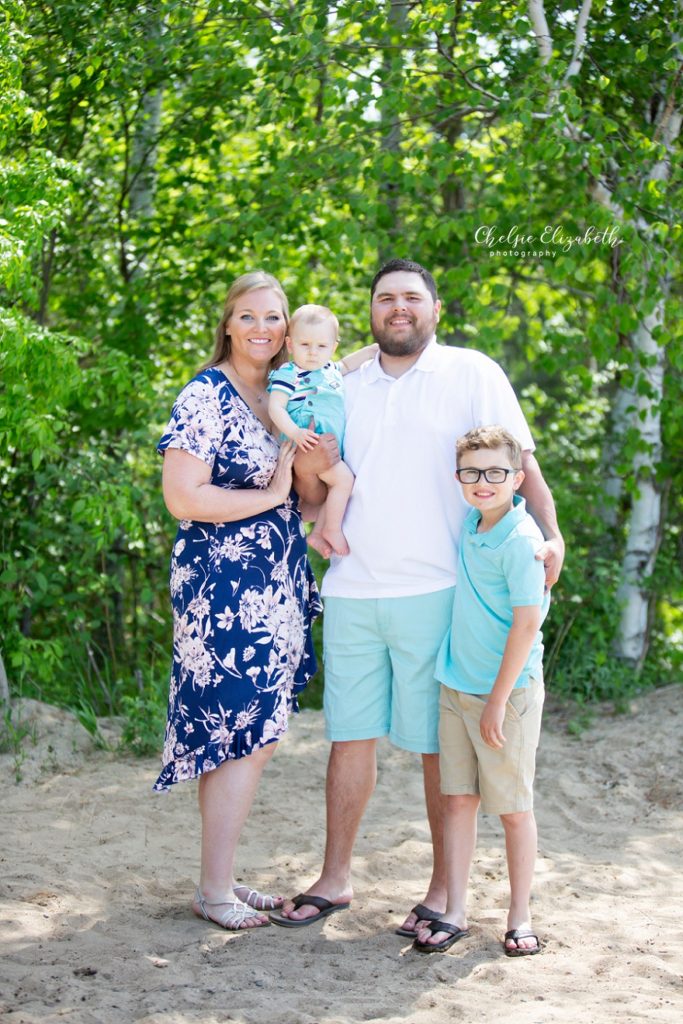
(503,528)
(427,363)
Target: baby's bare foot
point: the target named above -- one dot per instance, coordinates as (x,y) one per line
(318,542)
(337,540)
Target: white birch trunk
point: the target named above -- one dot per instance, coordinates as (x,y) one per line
(644,526)
(391,135)
(642,412)
(143,155)
(613,485)
(642,543)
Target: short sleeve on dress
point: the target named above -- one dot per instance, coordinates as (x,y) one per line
(284,378)
(197,424)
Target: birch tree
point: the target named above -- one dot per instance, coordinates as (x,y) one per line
(637,405)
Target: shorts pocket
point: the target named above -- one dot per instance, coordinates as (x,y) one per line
(524,699)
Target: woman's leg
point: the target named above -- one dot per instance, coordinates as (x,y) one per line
(225,798)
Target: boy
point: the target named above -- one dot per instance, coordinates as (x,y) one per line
(490,669)
(310,386)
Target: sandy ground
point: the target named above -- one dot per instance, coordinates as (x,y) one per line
(96,874)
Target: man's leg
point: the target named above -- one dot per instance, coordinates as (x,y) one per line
(357,712)
(436,892)
(351,778)
(459,843)
(415,630)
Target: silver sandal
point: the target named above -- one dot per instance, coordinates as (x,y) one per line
(257,900)
(233,918)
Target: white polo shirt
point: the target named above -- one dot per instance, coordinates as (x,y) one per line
(405,514)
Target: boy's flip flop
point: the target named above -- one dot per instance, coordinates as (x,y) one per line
(422,913)
(454,934)
(324,907)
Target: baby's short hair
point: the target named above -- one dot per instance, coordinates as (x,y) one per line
(313,314)
(492,436)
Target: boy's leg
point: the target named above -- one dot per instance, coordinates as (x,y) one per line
(520,845)
(506,785)
(339,480)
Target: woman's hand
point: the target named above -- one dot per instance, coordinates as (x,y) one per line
(281,481)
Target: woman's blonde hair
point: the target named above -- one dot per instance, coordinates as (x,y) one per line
(250,282)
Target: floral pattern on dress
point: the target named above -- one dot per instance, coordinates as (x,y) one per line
(243,595)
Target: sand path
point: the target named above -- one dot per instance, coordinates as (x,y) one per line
(97,871)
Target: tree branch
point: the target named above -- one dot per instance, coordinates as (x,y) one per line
(579,41)
(539,21)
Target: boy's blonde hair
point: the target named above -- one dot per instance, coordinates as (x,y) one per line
(489,437)
(313,314)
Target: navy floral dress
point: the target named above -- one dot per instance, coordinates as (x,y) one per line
(243,595)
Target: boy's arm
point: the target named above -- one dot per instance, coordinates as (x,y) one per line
(277,410)
(526,620)
(356,359)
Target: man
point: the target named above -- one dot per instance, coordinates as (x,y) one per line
(388,603)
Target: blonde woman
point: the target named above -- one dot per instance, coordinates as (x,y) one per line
(243,593)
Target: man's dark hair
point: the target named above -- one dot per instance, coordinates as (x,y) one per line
(411,267)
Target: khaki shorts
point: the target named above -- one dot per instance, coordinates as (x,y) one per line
(469,767)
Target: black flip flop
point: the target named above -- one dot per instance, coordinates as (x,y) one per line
(423,914)
(521,933)
(454,934)
(324,907)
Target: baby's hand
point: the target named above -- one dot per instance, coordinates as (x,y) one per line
(305,439)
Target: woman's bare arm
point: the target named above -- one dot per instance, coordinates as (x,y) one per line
(189,493)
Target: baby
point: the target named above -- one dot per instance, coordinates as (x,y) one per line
(310,387)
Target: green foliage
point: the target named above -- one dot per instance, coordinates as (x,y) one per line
(150,153)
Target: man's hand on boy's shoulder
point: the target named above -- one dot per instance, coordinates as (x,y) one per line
(491,724)
(551,553)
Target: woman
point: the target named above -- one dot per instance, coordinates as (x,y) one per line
(242,590)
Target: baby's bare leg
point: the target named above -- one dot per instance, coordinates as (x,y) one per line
(316,537)
(339,480)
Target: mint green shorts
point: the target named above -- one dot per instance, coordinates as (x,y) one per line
(379,656)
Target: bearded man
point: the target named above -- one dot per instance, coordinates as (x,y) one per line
(388,603)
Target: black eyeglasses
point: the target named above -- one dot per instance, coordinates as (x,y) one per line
(495,475)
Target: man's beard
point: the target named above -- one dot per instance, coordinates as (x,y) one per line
(407,345)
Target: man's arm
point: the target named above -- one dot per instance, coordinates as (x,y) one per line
(540,504)
(356,359)
(309,465)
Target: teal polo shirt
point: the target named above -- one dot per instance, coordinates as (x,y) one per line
(497,571)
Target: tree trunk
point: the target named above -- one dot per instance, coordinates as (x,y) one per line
(391,134)
(142,168)
(644,531)
(4,685)
(613,486)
